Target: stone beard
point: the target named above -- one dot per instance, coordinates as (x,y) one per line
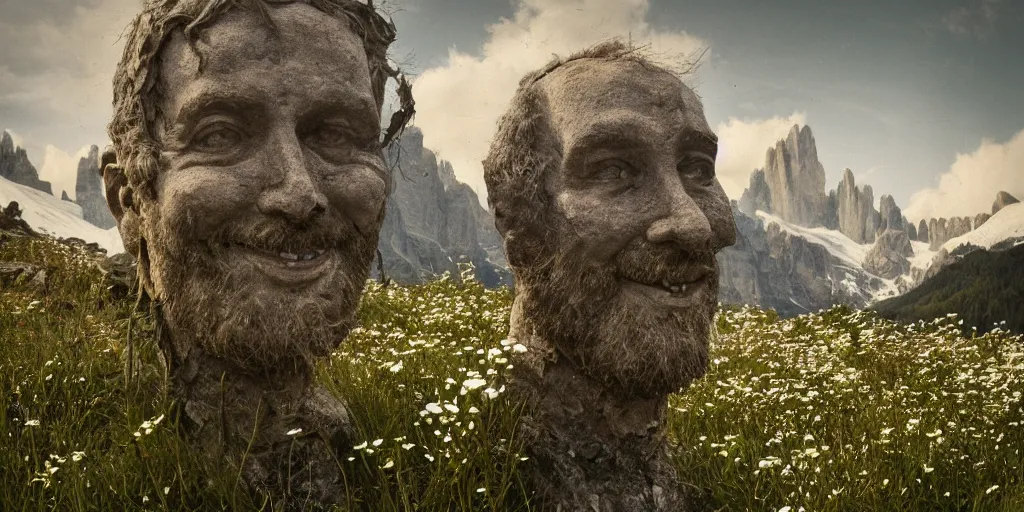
(216,299)
(618,338)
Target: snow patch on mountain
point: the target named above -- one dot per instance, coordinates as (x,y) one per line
(1006,223)
(50,215)
(838,244)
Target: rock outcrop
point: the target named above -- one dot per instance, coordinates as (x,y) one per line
(14,166)
(796,179)
(855,210)
(942,230)
(1003,198)
(434,222)
(89,191)
(888,257)
(922,231)
(757,196)
(771,268)
(890,216)
(980,219)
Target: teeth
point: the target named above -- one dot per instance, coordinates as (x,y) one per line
(289,256)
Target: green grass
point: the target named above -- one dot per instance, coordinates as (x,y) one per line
(835,411)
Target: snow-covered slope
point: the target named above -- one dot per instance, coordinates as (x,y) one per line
(50,215)
(838,244)
(1006,223)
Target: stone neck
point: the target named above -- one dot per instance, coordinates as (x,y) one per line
(279,429)
(588,447)
(562,391)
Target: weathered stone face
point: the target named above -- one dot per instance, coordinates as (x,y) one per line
(636,212)
(272,187)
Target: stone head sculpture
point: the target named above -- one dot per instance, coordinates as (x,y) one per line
(602,180)
(249,180)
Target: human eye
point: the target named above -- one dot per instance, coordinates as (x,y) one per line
(217,137)
(611,170)
(697,168)
(329,135)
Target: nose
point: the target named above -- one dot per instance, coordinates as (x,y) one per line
(684,224)
(291,192)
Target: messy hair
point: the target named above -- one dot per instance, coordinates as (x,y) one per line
(526,148)
(136,81)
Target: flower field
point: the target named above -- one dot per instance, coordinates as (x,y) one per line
(833,411)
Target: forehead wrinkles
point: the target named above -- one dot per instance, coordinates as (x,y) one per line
(584,90)
(239,39)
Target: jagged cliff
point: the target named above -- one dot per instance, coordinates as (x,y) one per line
(89,191)
(809,250)
(434,222)
(855,210)
(791,181)
(773,268)
(14,166)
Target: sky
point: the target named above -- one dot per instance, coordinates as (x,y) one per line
(922,99)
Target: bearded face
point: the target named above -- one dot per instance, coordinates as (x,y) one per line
(270,197)
(231,293)
(627,284)
(620,323)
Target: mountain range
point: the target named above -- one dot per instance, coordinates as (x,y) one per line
(801,248)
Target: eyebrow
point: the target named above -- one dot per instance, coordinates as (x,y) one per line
(700,140)
(206,102)
(217,100)
(621,133)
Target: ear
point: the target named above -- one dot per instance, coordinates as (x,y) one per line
(114,181)
(121,200)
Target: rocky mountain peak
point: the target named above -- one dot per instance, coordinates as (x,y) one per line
(890,215)
(434,222)
(796,179)
(14,166)
(1003,198)
(89,191)
(855,210)
(792,182)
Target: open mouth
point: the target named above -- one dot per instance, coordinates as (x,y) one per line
(291,268)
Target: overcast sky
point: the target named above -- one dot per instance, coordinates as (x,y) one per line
(923,101)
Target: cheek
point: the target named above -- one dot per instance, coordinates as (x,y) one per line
(359,196)
(603,225)
(200,201)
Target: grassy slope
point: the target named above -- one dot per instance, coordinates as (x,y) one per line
(984,288)
(839,411)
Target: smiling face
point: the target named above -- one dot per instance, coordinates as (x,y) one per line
(271,190)
(637,216)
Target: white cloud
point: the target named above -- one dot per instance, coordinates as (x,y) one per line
(458,105)
(970,185)
(61,169)
(742,145)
